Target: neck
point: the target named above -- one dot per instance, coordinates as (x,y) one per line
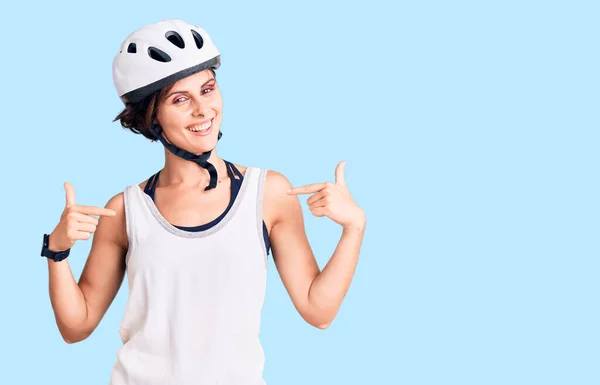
(180,171)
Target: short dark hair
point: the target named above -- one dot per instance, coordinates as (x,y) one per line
(140,116)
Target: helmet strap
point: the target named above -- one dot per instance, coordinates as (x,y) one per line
(201,160)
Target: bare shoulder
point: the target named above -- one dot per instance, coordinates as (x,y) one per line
(117,203)
(114,228)
(278,204)
(277,184)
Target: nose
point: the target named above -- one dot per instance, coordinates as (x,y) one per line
(199,108)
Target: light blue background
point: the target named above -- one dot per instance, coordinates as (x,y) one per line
(471,135)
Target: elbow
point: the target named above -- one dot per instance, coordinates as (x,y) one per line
(318,322)
(71,337)
(69,341)
(319,316)
(322,326)
(321,319)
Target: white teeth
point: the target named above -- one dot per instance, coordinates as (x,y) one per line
(201,128)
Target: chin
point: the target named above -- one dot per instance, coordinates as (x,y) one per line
(203,150)
(204,147)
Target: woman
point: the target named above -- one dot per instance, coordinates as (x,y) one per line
(194,238)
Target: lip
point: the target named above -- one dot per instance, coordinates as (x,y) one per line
(212,122)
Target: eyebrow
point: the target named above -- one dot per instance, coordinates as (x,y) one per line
(186,92)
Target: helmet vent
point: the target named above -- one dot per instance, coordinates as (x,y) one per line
(132,48)
(175,38)
(158,55)
(198,39)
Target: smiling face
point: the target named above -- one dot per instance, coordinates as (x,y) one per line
(190,112)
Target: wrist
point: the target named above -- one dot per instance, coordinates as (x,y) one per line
(56,246)
(357,226)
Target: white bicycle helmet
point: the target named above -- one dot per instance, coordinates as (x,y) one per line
(159,54)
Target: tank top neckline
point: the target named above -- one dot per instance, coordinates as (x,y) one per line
(196,234)
(150,189)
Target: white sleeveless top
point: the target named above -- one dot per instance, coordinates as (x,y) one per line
(195,298)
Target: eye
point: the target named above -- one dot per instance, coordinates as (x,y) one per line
(179,100)
(207,90)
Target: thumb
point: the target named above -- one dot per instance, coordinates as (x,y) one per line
(339,173)
(70,191)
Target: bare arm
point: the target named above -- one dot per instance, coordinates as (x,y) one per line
(317,295)
(329,288)
(79,307)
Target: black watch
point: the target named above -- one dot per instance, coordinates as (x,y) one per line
(56,256)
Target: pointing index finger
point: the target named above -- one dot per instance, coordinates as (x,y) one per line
(97,211)
(307,189)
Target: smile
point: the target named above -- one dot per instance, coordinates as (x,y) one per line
(201,129)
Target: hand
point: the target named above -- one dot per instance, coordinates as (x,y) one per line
(333,200)
(76,222)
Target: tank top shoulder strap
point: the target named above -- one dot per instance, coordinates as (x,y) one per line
(235,182)
(151,185)
(235,170)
